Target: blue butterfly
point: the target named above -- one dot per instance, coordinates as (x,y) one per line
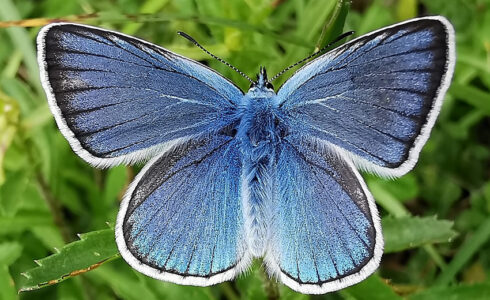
(236,176)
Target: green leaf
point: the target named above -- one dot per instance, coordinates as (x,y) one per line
(410,232)
(317,18)
(11,193)
(385,198)
(20,38)
(472,95)
(406,9)
(20,92)
(167,290)
(7,287)
(50,236)
(9,117)
(374,18)
(287,293)
(149,7)
(93,249)
(372,288)
(125,285)
(75,290)
(24,220)
(460,292)
(402,189)
(9,252)
(224,22)
(115,182)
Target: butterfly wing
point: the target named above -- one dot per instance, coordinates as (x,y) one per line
(181,219)
(326,233)
(118,99)
(376,98)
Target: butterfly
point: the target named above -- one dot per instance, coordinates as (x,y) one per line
(234,176)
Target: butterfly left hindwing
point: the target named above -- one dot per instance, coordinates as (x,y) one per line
(182,219)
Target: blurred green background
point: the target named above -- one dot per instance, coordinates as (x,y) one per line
(436,219)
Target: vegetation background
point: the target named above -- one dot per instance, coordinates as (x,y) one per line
(436,219)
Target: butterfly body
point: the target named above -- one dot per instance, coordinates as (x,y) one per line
(232,176)
(258,137)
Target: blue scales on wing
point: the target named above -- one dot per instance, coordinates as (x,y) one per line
(375,97)
(115,97)
(326,231)
(182,219)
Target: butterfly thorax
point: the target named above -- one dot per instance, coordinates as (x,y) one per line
(258,138)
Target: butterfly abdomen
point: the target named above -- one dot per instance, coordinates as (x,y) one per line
(257,139)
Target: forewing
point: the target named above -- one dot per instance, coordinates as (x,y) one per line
(118,99)
(375,98)
(326,234)
(181,220)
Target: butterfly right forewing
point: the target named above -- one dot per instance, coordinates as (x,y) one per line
(376,98)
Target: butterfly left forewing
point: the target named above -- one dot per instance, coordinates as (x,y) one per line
(118,99)
(181,219)
(326,233)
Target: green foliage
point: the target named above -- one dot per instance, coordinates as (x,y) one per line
(410,232)
(48,194)
(467,291)
(92,250)
(372,288)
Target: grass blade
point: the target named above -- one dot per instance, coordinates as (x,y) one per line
(465,253)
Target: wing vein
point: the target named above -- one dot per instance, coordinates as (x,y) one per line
(340,210)
(173,69)
(343,140)
(153,137)
(195,162)
(365,124)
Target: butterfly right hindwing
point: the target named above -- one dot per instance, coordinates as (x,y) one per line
(326,233)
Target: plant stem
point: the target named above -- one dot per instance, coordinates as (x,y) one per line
(54,207)
(270,286)
(465,253)
(45,189)
(329,24)
(227,289)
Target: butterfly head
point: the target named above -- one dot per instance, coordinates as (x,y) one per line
(262,82)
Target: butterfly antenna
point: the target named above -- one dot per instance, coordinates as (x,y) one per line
(341,37)
(192,40)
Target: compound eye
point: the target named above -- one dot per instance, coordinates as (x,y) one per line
(269,85)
